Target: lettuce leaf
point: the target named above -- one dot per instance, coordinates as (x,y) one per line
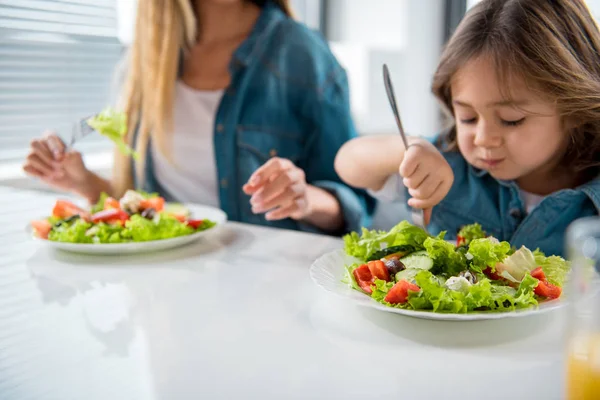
(446,259)
(349,277)
(369,241)
(99,206)
(486,253)
(517,265)
(555,268)
(73,232)
(164,226)
(471,232)
(113,125)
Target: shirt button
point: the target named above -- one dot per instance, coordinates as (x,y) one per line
(223,183)
(515,213)
(273,153)
(220,128)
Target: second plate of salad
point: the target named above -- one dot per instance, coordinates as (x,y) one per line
(407,271)
(136,223)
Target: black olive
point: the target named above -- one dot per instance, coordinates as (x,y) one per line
(149,213)
(394,265)
(507,303)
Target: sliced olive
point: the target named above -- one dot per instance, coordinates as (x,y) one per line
(149,213)
(394,265)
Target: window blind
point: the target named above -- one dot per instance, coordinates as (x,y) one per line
(57,60)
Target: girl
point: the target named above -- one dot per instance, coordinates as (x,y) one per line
(522,80)
(230,103)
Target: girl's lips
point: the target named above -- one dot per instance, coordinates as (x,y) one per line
(491,162)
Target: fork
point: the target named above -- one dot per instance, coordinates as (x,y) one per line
(418,216)
(79,130)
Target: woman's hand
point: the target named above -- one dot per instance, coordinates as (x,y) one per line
(426,174)
(279,189)
(48,161)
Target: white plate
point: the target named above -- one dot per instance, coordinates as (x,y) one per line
(197,212)
(329,270)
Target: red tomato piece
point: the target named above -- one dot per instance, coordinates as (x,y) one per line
(110,203)
(548,290)
(460,241)
(379,270)
(195,223)
(157,203)
(363,277)
(398,294)
(65,209)
(41,228)
(538,273)
(110,216)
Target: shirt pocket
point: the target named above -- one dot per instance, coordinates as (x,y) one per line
(255,146)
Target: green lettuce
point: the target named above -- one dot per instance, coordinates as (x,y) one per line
(487,252)
(471,232)
(369,241)
(113,125)
(72,232)
(555,268)
(164,226)
(446,259)
(99,206)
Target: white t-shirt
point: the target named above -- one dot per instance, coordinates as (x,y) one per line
(192,177)
(393,190)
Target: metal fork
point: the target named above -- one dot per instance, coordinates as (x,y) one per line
(417,214)
(79,130)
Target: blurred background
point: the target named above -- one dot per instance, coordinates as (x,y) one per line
(58,58)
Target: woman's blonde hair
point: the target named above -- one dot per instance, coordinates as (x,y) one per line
(163,28)
(554,46)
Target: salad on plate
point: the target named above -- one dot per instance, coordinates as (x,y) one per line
(136,217)
(409,269)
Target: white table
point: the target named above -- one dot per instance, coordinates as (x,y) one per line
(237,317)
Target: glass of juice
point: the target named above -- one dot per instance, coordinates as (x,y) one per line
(583,337)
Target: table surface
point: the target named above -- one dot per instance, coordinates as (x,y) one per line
(236,316)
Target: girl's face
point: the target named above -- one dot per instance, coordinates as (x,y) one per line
(520,139)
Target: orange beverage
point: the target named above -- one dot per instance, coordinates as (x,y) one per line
(583,343)
(583,368)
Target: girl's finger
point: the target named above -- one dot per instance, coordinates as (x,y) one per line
(426,189)
(417,178)
(279,184)
(34,161)
(282,200)
(272,167)
(42,151)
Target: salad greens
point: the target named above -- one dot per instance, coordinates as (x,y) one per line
(480,274)
(136,217)
(113,125)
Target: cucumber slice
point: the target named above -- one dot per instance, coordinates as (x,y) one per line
(407,275)
(418,260)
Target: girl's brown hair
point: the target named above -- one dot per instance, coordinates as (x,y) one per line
(554,45)
(163,28)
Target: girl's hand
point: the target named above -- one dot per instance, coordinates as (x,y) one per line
(426,174)
(279,189)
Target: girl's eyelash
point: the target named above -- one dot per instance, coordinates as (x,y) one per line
(513,123)
(504,122)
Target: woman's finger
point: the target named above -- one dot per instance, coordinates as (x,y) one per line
(289,211)
(278,185)
(32,171)
(42,151)
(56,145)
(33,160)
(283,199)
(272,167)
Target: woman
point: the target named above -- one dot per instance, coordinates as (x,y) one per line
(230,103)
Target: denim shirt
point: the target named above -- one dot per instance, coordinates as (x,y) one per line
(476,196)
(288,97)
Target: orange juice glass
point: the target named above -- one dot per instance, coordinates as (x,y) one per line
(583,339)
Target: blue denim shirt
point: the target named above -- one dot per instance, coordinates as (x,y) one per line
(289,98)
(476,196)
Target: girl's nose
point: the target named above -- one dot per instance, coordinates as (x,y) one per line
(486,137)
